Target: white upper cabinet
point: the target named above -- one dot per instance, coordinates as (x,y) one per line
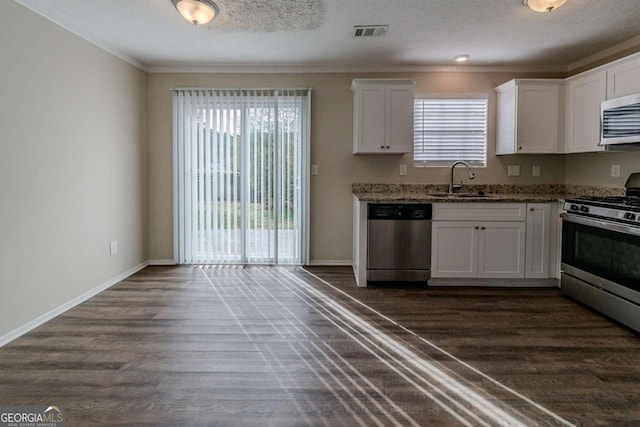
(530,115)
(584,93)
(383,116)
(623,78)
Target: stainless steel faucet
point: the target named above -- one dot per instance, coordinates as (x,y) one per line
(471,174)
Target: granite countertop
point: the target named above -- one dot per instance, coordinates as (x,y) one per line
(544,193)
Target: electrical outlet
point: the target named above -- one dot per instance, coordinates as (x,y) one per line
(314,169)
(513,170)
(403,169)
(113,248)
(536,170)
(615,171)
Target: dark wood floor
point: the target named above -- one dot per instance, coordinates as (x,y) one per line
(283,347)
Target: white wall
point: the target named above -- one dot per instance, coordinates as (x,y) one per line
(331,150)
(72,166)
(595,168)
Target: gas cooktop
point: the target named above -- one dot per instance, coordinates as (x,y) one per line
(620,201)
(613,208)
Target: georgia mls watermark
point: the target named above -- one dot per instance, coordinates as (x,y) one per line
(31,416)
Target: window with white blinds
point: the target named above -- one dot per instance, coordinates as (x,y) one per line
(241,158)
(447,130)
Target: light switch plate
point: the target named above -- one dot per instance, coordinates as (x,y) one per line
(513,170)
(314,169)
(615,171)
(113,248)
(403,169)
(536,170)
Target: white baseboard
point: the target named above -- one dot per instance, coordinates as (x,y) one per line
(162,262)
(330,263)
(317,263)
(16,333)
(495,283)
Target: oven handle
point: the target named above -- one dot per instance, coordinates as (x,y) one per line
(599,223)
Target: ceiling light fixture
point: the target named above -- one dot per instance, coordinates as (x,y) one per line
(461,58)
(544,5)
(197,12)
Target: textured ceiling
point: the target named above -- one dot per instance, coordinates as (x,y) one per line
(253,16)
(317,33)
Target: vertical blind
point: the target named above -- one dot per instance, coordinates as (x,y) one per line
(240,175)
(447,130)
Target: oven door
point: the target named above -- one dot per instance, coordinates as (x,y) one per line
(603,253)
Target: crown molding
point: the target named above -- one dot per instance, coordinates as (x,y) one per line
(624,47)
(348,68)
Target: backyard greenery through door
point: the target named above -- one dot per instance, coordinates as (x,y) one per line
(240,176)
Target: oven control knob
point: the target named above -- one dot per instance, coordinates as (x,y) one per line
(629,215)
(584,209)
(573,207)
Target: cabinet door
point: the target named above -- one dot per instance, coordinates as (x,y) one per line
(369,126)
(538,240)
(454,249)
(399,114)
(538,120)
(501,247)
(623,79)
(506,123)
(582,128)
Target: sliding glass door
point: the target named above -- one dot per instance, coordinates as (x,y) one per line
(241,176)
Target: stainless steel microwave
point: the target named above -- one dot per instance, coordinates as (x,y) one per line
(620,121)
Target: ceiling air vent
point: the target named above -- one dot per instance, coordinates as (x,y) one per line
(361,31)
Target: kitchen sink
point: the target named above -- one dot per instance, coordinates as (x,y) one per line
(461,195)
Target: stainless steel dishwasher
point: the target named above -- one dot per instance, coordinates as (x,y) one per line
(399,242)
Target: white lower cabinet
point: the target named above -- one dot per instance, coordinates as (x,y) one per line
(501,250)
(454,249)
(538,240)
(508,240)
(478,249)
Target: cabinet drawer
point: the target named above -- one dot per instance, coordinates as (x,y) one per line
(479,211)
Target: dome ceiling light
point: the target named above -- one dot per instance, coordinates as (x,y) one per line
(543,5)
(198,12)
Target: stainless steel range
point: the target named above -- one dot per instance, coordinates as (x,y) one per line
(601,253)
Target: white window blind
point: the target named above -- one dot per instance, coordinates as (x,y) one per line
(447,130)
(240,175)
